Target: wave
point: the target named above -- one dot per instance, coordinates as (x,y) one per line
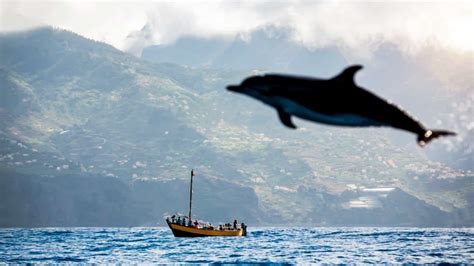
(263,245)
(57,233)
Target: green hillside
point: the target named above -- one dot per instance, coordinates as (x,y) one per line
(75,107)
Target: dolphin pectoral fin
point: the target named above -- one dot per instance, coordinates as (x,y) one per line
(285,118)
(347,76)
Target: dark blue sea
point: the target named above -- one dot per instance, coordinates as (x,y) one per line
(263,245)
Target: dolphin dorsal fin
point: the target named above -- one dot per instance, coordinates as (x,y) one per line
(347,75)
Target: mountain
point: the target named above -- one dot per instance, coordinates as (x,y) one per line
(92,136)
(95,200)
(434,84)
(268,48)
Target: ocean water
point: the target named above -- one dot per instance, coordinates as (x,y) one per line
(262,245)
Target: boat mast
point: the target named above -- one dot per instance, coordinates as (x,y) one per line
(191,194)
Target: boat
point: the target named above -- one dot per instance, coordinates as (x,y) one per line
(184,226)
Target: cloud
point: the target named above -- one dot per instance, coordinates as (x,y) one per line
(354,25)
(102,21)
(412,25)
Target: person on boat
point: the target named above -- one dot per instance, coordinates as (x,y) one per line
(173,218)
(184,222)
(220,227)
(244,229)
(179,220)
(196,223)
(235,224)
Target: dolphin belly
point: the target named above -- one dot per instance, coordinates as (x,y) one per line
(340,119)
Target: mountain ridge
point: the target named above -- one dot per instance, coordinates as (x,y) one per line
(122,117)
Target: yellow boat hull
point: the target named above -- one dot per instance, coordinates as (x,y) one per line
(185,231)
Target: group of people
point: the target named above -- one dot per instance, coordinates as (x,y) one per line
(229,226)
(177,220)
(186,222)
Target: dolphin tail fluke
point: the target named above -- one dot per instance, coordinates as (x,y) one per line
(429,135)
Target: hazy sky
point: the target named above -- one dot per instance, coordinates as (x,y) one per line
(352,24)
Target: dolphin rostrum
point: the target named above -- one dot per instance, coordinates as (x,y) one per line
(336,101)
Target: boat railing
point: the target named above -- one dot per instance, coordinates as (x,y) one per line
(183,220)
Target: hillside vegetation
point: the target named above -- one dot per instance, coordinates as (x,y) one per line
(93,136)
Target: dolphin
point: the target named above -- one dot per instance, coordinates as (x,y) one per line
(336,101)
